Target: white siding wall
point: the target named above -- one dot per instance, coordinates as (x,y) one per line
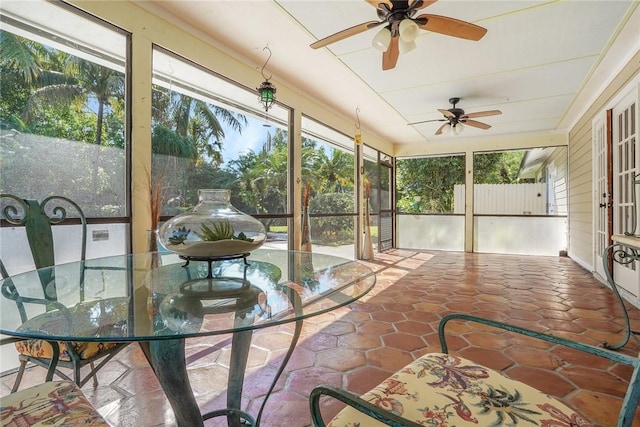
(580,170)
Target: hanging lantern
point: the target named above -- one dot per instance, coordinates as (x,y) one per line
(267,90)
(267,93)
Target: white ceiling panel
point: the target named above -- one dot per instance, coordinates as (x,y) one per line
(535,57)
(489,91)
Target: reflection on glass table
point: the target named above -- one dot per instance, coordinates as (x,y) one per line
(160,300)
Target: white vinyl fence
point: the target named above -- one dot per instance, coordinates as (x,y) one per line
(504,199)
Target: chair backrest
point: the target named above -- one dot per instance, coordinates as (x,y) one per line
(37,219)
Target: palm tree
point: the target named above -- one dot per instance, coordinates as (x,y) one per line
(86,83)
(201,122)
(22,55)
(61,80)
(100,83)
(21,62)
(336,170)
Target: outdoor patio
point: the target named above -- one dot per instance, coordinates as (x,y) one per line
(358,346)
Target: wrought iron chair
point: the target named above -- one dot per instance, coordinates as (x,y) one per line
(37,219)
(49,403)
(443,389)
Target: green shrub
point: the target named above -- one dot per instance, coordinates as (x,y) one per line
(332,230)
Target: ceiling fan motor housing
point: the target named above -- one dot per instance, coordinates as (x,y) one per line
(395,15)
(458,112)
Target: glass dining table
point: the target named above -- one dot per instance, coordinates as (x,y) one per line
(159,300)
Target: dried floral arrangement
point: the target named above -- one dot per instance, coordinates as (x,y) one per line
(306,194)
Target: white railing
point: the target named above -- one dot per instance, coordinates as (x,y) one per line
(522,235)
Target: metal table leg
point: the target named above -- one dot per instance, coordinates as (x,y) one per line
(292,346)
(296,303)
(240,346)
(167,360)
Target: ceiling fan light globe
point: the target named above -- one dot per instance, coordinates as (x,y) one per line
(405,47)
(408,30)
(382,39)
(450,130)
(458,128)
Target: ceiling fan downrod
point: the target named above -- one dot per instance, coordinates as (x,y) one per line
(457,112)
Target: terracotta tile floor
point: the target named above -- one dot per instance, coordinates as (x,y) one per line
(358,346)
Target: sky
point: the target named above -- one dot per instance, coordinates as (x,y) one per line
(253,137)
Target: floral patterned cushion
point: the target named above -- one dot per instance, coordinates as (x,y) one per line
(42,349)
(54,403)
(444,390)
(77,321)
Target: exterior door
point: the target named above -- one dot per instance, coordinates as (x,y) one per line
(386,221)
(601,191)
(625,172)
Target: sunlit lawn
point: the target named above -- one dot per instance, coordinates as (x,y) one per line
(284,228)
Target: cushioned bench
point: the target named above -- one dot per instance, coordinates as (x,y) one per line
(439,389)
(53,403)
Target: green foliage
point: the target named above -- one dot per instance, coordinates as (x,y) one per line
(220,230)
(52,93)
(14,93)
(179,236)
(261,178)
(333,172)
(432,180)
(332,230)
(20,56)
(200,122)
(497,168)
(168,142)
(114,127)
(65,123)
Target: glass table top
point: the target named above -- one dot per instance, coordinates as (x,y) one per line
(152,296)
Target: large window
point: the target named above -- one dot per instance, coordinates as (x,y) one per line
(520,201)
(211,133)
(521,182)
(63,121)
(328,171)
(426,185)
(426,202)
(62,107)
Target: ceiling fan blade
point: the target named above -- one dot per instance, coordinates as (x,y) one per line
(441,128)
(340,35)
(476,124)
(447,113)
(424,4)
(427,121)
(483,114)
(390,56)
(375,3)
(452,27)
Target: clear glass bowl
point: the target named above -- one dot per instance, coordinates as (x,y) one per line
(213,229)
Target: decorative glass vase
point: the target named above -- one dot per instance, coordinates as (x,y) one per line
(213,229)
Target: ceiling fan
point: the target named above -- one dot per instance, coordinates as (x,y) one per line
(456,117)
(401,28)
